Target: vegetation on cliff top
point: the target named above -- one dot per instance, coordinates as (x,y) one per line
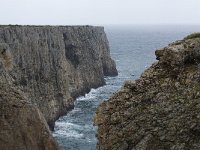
(192,36)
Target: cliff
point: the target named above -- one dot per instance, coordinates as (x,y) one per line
(42,70)
(161,109)
(22,125)
(55,64)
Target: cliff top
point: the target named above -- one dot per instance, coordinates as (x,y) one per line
(181,52)
(72,26)
(160,110)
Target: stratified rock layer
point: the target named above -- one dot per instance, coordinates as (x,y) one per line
(22,125)
(160,110)
(55,64)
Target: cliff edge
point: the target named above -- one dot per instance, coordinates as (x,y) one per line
(42,70)
(22,125)
(161,109)
(55,64)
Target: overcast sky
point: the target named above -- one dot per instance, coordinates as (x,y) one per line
(99,12)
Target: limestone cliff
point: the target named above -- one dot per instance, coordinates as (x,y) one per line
(22,125)
(161,109)
(55,64)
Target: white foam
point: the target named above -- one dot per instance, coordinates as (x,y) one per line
(89,96)
(67,129)
(67,125)
(67,134)
(75,110)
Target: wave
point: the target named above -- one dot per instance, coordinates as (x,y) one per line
(90,96)
(67,129)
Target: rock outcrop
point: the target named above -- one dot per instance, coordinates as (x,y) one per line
(42,70)
(22,125)
(161,109)
(55,64)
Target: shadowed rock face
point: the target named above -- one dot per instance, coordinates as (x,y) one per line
(42,70)
(55,64)
(160,110)
(22,125)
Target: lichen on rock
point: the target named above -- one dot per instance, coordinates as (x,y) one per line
(161,109)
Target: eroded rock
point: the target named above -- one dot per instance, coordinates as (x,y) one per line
(22,125)
(42,70)
(55,64)
(161,109)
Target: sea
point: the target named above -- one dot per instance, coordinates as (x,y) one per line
(133,49)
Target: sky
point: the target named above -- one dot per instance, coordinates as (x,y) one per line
(99,12)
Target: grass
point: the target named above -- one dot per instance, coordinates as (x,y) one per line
(192,36)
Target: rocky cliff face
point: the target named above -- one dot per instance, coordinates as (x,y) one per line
(56,64)
(22,125)
(160,110)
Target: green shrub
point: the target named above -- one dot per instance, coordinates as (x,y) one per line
(193,36)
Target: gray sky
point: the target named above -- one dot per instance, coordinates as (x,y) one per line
(99,12)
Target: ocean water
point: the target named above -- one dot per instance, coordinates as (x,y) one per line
(132,48)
